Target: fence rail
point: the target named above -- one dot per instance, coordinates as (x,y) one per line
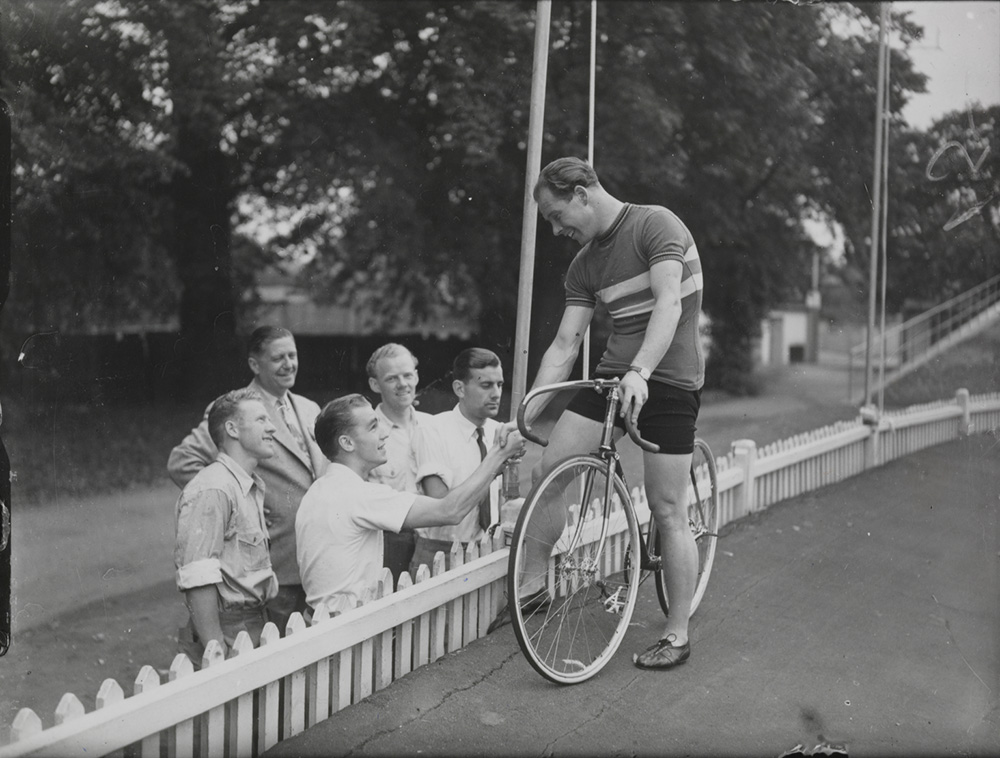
(243,705)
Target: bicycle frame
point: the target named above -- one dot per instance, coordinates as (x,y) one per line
(608,453)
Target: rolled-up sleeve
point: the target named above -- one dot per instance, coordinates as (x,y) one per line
(428,450)
(202,521)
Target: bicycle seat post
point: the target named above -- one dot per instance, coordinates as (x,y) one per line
(607,433)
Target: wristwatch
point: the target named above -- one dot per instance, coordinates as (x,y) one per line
(643,372)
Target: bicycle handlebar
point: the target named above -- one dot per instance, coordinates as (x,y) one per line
(598,384)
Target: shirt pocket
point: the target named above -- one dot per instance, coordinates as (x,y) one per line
(253,551)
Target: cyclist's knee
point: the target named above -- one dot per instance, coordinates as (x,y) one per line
(668,510)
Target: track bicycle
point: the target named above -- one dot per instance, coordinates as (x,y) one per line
(578,555)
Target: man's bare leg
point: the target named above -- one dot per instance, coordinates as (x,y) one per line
(666,479)
(572,434)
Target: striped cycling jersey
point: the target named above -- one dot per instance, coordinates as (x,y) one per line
(613,269)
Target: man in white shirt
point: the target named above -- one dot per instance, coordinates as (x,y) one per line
(339,525)
(450,445)
(392,375)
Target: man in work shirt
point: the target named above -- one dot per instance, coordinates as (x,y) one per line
(221,550)
(642,263)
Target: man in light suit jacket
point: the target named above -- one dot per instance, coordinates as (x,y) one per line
(296,464)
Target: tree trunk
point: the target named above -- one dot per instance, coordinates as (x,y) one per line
(208,361)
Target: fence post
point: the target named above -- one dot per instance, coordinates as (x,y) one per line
(26,724)
(870,418)
(68,709)
(744,457)
(965,425)
(147,680)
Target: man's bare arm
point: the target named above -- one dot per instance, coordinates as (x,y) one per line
(459,501)
(558,360)
(204,604)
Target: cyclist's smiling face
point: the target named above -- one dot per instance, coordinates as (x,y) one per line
(479,397)
(574,218)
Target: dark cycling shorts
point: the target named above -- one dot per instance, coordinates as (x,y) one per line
(667,419)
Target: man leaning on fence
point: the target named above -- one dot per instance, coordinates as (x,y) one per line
(221,546)
(297,460)
(340,523)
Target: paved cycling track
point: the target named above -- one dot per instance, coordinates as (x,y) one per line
(866,613)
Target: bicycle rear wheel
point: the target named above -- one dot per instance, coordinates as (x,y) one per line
(575,569)
(703,517)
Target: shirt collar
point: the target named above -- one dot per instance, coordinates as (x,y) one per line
(467,427)
(392,424)
(339,469)
(611,230)
(243,479)
(277,401)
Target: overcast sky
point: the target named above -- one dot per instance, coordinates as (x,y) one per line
(960,52)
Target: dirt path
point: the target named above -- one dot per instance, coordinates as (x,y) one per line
(93,577)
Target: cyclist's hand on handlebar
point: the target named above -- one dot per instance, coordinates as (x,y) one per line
(633,391)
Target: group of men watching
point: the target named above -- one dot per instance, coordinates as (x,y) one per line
(269,469)
(285,507)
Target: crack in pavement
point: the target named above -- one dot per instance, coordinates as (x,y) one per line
(958,648)
(549,749)
(445,697)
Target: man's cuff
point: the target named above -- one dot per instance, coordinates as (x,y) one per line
(199,574)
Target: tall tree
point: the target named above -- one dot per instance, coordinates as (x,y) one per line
(380,146)
(944,208)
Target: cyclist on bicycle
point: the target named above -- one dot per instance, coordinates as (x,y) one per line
(642,263)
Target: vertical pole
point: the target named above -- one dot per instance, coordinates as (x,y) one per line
(885,224)
(877,200)
(590,145)
(6,506)
(529,223)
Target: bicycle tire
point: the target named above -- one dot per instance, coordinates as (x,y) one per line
(703,516)
(590,602)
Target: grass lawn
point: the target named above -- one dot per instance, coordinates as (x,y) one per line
(78,449)
(974,365)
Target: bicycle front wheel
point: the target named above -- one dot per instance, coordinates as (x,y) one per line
(703,518)
(570,586)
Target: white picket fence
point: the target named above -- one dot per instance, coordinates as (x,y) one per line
(243,705)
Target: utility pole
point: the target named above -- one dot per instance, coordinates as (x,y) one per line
(877,175)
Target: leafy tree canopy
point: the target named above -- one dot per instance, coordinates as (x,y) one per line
(378,148)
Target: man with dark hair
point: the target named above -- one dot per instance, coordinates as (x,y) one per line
(340,524)
(392,375)
(221,550)
(450,445)
(297,461)
(642,263)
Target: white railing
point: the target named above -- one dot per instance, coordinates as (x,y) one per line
(243,705)
(915,341)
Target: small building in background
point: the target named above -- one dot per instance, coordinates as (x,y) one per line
(790,334)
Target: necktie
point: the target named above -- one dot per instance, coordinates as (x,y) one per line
(484,504)
(288,416)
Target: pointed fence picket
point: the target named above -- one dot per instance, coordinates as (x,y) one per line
(245,704)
